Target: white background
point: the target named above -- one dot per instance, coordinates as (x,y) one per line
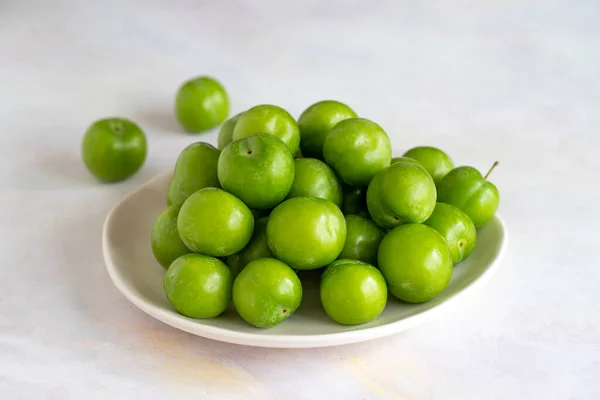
(514,81)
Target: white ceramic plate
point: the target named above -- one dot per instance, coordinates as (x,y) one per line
(129,260)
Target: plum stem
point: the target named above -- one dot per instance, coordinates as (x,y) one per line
(491,169)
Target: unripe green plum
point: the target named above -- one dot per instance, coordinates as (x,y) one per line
(352,292)
(402,193)
(416,262)
(214,222)
(357,149)
(266,292)
(306,233)
(465,188)
(258,169)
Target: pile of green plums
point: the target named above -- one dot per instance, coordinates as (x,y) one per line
(281,195)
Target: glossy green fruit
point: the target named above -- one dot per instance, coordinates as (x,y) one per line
(113,149)
(352,292)
(306,233)
(198,286)
(255,249)
(465,188)
(316,122)
(416,262)
(434,160)
(355,201)
(314,178)
(266,292)
(402,193)
(357,149)
(269,119)
(195,169)
(226,131)
(456,227)
(258,169)
(214,222)
(201,104)
(165,240)
(363,237)
(406,160)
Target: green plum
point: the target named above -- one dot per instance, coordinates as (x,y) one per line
(352,292)
(198,286)
(402,193)
(226,131)
(456,227)
(165,240)
(306,233)
(314,178)
(201,104)
(415,261)
(269,119)
(113,149)
(214,222)
(258,169)
(406,160)
(195,169)
(266,292)
(255,249)
(355,201)
(434,160)
(316,122)
(363,237)
(465,188)
(357,149)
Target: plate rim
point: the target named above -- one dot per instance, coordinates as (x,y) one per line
(280,341)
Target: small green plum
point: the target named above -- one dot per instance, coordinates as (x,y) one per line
(214,222)
(165,240)
(198,286)
(457,228)
(352,292)
(363,237)
(195,169)
(258,169)
(113,149)
(402,193)
(226,132)
(415,261)
(357,149)
(306,233)
(255,249)
(314,178)
(266,292)
(465,188)
(271,119)
(201,104)
(434,160)
(316,122)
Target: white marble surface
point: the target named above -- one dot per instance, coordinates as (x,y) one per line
(516,81)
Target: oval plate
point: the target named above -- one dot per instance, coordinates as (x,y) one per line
(131,265)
